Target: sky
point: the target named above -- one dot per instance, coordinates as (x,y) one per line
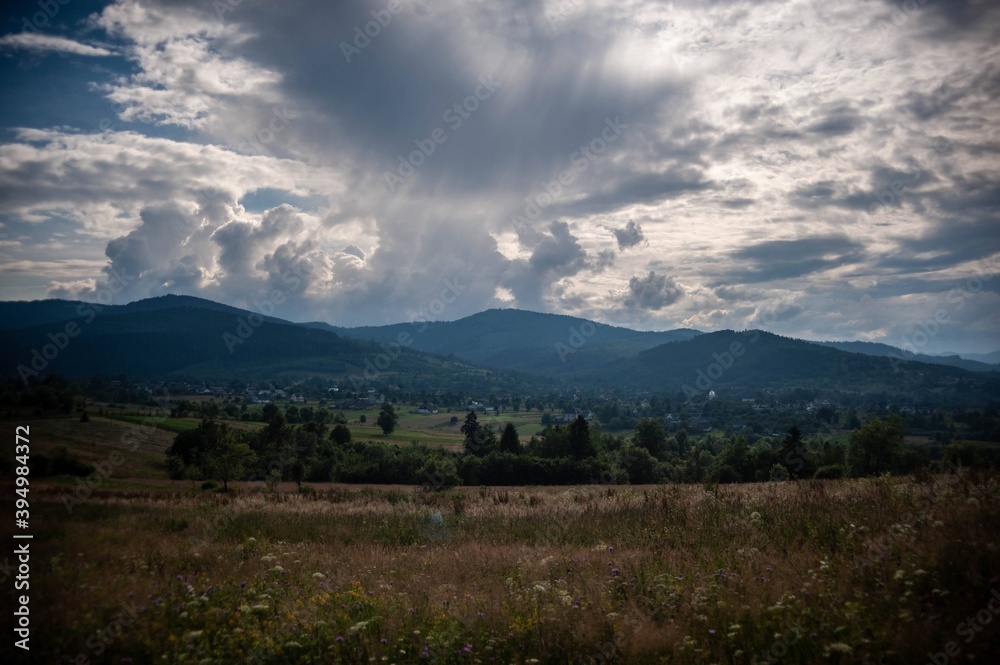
(822,170)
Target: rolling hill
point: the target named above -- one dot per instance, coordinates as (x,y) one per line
(175,337)
(737,364)
(519,340)
(886,351)
(183,337)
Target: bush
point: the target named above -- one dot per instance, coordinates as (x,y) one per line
(438,475)
(727,474)
(209,485)
(778,472)
(830,472)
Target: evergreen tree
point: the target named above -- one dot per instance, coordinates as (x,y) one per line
(510,442)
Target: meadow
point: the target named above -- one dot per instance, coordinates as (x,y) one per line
(142,569)
(849,571)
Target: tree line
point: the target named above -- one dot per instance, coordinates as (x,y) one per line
(575,453)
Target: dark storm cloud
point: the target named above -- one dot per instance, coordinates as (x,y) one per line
(629,235)
(652,292)
(550,98)
(558,255)
(948,243)
(835,120)
(786,259)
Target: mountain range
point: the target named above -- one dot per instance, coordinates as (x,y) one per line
(187,337)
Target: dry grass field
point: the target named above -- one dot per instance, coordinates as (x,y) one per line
(880,570)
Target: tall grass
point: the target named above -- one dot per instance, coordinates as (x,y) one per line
(860,571)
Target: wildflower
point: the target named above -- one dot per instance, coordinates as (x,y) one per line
(614,572)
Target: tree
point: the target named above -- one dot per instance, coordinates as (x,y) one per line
(340,434)
(270,411)
(438,474)
(649,434)
(479,439)
(579,438)
(681,438)
(363,419)
(227,457)
(387,419)
(639,464)
(510,442)
(793,453)
(471,425)
(873,448)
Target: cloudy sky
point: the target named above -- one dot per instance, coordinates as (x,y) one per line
(826,170)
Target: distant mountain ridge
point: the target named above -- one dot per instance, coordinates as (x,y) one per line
(184,337)
(181,336)
(521,340)
(884,350)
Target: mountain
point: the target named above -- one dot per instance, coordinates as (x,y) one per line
(988,358)
(192,338)
(552,344)
(27,314)
(738,364)
(493,351)
(886,351)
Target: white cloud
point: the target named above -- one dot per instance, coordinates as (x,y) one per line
(36,41)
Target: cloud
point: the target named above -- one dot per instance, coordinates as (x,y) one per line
(36,41)
(354,250)
(787,259)
(628,236)
(558,255)
(652,292)
(230,150)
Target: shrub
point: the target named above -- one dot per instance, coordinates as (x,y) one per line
(829,472)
